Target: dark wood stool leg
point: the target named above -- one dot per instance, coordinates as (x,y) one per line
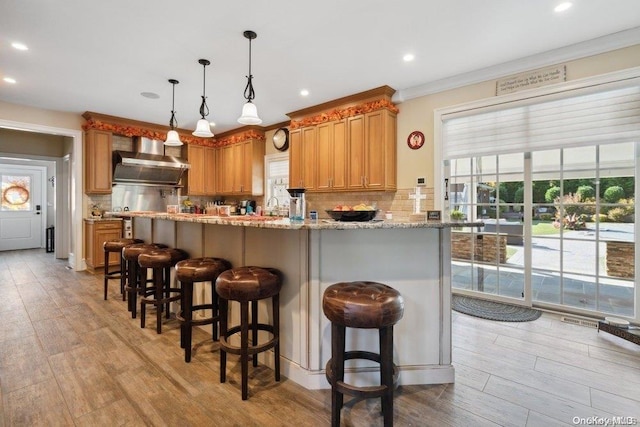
(142,281)
(215,308)
(386,373)
(167,292)
(124,269)
(224,308)
(254,330)
(187,315)
(134,281)
(244,345)
(275,308)
(337,360)
(106,273)
(159,282)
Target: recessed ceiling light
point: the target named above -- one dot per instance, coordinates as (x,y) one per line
(10,80)
(150,95)
(409,57)
(304,92)
(19,46)
(563,6)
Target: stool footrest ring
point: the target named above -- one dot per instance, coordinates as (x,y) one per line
(251,349)
(365,392)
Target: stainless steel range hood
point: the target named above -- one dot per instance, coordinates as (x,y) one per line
(147,165)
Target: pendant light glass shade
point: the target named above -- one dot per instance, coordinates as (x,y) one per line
(249,111)
(203,128)
(173,139)
(249,115)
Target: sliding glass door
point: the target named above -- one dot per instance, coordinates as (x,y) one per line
(559,227)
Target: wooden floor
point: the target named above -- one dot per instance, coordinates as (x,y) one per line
(69,358)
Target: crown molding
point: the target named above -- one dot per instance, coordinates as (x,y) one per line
(572,52)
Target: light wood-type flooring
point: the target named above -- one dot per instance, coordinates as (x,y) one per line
(69,358)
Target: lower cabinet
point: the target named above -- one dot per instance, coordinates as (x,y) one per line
(96,232)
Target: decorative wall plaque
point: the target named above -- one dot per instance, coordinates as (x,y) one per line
(531,79)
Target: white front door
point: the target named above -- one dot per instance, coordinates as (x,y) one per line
(21,207)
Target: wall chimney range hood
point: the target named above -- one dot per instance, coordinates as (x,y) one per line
(147,165)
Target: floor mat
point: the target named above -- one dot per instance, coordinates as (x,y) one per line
(493,310)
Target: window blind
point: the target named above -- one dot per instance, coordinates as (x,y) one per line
(596,115)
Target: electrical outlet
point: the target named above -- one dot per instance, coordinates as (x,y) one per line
(421,181)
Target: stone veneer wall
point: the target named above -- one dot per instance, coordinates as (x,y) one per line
(484,248)
(620,259)
(398,203)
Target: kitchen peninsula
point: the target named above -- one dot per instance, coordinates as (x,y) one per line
(412,257)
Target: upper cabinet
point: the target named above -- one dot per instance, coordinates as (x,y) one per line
(201,177)
(345,145)
(241,164)
(97,162)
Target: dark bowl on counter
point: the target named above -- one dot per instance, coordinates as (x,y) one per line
(358,216)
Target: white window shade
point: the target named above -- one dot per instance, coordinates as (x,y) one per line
(603,114)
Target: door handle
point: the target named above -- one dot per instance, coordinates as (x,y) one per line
(37,213)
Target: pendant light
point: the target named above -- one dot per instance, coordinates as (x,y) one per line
(173,139)
(203,128)
(249,111)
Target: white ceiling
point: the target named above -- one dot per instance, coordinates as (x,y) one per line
(100,55)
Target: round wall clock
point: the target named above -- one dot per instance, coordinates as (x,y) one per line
(281,139)
(415,140)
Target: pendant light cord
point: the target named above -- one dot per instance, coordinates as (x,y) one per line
(173,122)
(204,108)
(249,93)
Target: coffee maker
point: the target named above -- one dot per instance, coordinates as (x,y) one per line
(247,206)
(297,204)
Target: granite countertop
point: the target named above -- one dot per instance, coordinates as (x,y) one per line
(285,223)
(103,218)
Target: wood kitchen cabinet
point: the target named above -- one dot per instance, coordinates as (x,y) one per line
(372,151)
(97,162)
(348,144)
(302,158)
(242,168)
(331,142)
(201,177)
(96,232)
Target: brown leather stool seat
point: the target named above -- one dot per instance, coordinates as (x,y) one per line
(116,246)
(189,272)
(368,305)
(161,294)
(249,285)
(135,284)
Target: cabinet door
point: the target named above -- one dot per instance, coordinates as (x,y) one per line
(195,181)
(355,136)
(295,158)
(309,158)
(97,156)
(339,155)
(253,167)
(380,150)
(324,152)
(101,236)
(227,169)
(209,171)
(238,168)
(331,151)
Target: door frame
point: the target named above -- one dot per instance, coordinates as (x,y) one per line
(25,166)
(73,217)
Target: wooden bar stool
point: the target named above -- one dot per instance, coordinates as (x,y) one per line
(136,284)
(368,305)
(161,294)
(248,285)
(188,272)
(116,246)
